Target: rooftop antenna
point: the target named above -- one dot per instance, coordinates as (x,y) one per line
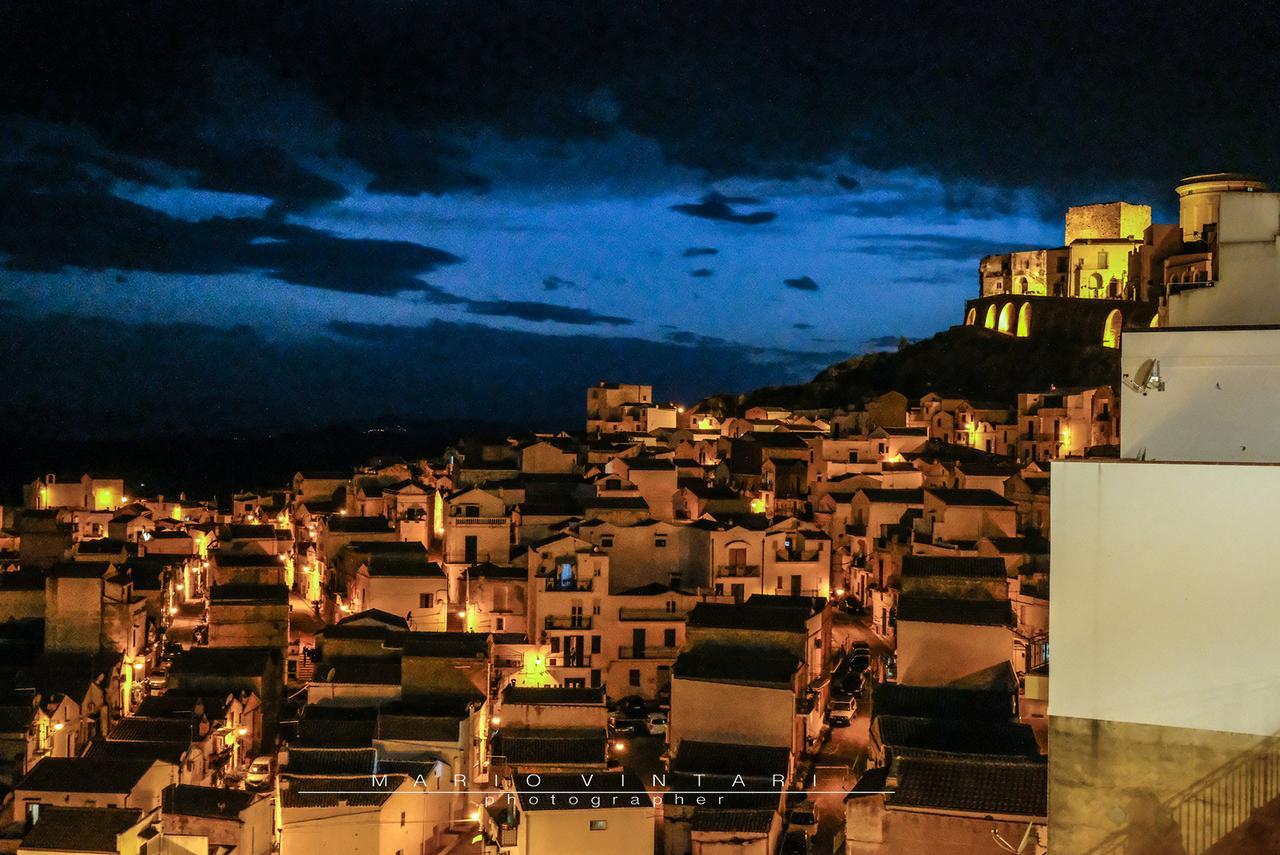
(1009,847)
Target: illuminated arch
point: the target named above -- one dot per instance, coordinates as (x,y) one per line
(991,317)
(1005,324)
(1024,320)
(970,318)
(1155,320)
(1111,329)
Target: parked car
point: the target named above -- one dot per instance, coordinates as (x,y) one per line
(157,681)
(632,706)
(803,818)
(796,843)
(259,774)
(851,607)
(842,712)
(620,724)
(850,685)
(657,723)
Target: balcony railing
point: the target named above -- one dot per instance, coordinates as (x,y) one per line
(650,614)
(567,622)
(738,571)
(797,592)
(783,556)
(554,584)
(646,652)
(464,521)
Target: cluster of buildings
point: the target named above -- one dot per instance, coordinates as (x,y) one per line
(629,640)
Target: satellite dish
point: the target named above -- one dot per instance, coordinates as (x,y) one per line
(1144,373)
(1146,377)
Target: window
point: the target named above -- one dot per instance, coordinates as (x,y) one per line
(660,541)
(671,606)
(425,601)
(595,643)
(599,824)
(402,819)
(555,644)
(606,541)
(500,624)
(595,609)
(668,638)
(1102,259)
(633,677)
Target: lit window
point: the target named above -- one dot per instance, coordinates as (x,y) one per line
(599,824)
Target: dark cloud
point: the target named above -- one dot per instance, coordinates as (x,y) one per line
(555,283)
(847,182)
(527,310)
(802,326)
(702,273)
(925,246)
(53,230)
(407,160)
(267,172)
(713,206)
(695,251)
(884,342)
(801,283)
(877,85)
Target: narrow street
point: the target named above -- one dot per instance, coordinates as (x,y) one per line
(840,761)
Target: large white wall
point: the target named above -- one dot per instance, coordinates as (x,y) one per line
(1166,594)
(1219,398)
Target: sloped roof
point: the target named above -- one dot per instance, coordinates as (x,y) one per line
(726,758)
(954,611)
(80,829)
(553,695)
(211,802)
(970,498)
(960,566)
(542,746)
(330,761)
(973,785)
(84,775)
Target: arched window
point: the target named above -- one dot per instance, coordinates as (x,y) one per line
(1202,276)
(1006,319)
(1022,284)
(971,317)
(991,317)
(1095,285)
(1024,320)
(1111,329)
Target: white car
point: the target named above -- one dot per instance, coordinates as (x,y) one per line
(157,681)
(843,710)
(259,774)
(657,723)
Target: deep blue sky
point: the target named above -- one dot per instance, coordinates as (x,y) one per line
(237,214)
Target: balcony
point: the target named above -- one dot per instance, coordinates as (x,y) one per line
(554,584)
(797,592)
(626,652)
(567,622)
(737,571)
(466,521)
(650,614)
(561,660)
(797,556)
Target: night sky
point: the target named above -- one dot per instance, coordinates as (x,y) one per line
(232,214)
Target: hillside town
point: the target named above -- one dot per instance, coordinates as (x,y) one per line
(680,630)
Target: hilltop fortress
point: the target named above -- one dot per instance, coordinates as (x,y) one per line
(1117,269)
